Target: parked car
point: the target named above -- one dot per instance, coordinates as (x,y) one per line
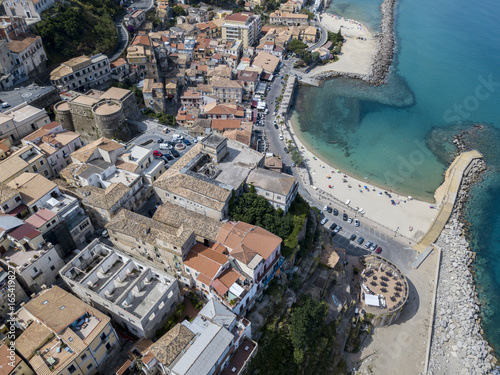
(350,220)
(276,126)
(5,105)
(174,153)
(338,229)
(281,137)
(157,153)
(360,240)
(379,250)
(373,247)
(160,140)
(335,212)
(324,221)
(177,137)
(356,223)
(368,244)
(186,142)
(333,226)
(167,157)
(353,237)
(105,233)
(344,217)
(293,164)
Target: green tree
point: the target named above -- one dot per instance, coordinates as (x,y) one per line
(178,11)
(310,15)
(306,323)
(296,46)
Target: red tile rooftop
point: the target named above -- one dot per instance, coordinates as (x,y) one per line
(240,357)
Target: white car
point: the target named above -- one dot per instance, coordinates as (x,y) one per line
(356,223)
(350,220)
(281,137)
(177,137)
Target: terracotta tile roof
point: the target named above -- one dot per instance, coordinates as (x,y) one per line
(192,188)
(244,241)
(229,277)
(205,261)
(224,124)
(141,40)
(20,43)
(6,193)
(272,181)
(32,187)
(177,217)
(104,198)
(85,153)
(239,17)
(31,338)
(7,366)
(117,63)
(148,230)
(225,83)
(40,217)
(171,344)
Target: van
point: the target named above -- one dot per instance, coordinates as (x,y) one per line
(177,137)
(165,146)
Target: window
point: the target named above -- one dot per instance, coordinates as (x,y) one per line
(18,199)
(71,369)
(5,206)
(90,366)
(83,356)
(50,260)
(52,268)
(41,162)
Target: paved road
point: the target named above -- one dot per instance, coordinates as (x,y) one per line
(123,35)
(322,39)
(392,248)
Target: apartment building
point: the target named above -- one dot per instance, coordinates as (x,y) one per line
(288,19)
(28,158)
(154,95)
(135,20)
(12,27)
(136,295)
(226,90)
(28,53)
(81,73)
(56,143)
(30,9)
(242,26)
(63,335)
(279,189)
(34,261)
(21,120)
(141,58)
(11,366)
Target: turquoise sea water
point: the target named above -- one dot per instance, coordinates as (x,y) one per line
(445,77)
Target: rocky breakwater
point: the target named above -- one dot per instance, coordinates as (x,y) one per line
(382,59)
(458,345)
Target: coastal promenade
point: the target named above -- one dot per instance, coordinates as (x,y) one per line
(446,194)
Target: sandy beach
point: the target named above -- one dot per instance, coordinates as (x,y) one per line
(357,54)
(408,217)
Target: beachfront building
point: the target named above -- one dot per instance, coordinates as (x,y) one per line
(137,296)
(63,335)
(135,19)
(21,120)
(265,61)
(81,73)
(384,302)
(205,178)
(278,188)
(288,19)
(242,26)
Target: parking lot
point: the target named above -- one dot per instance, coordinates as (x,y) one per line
(391,249)
(159,140)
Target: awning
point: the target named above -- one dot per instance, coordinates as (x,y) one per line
(236,290)
(372,300)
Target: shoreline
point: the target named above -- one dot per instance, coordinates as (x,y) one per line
(408,218)
(457,341)
(383,55)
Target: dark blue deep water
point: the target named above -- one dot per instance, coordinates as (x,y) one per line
(445,78)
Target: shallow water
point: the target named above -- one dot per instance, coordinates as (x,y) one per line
(445,76)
